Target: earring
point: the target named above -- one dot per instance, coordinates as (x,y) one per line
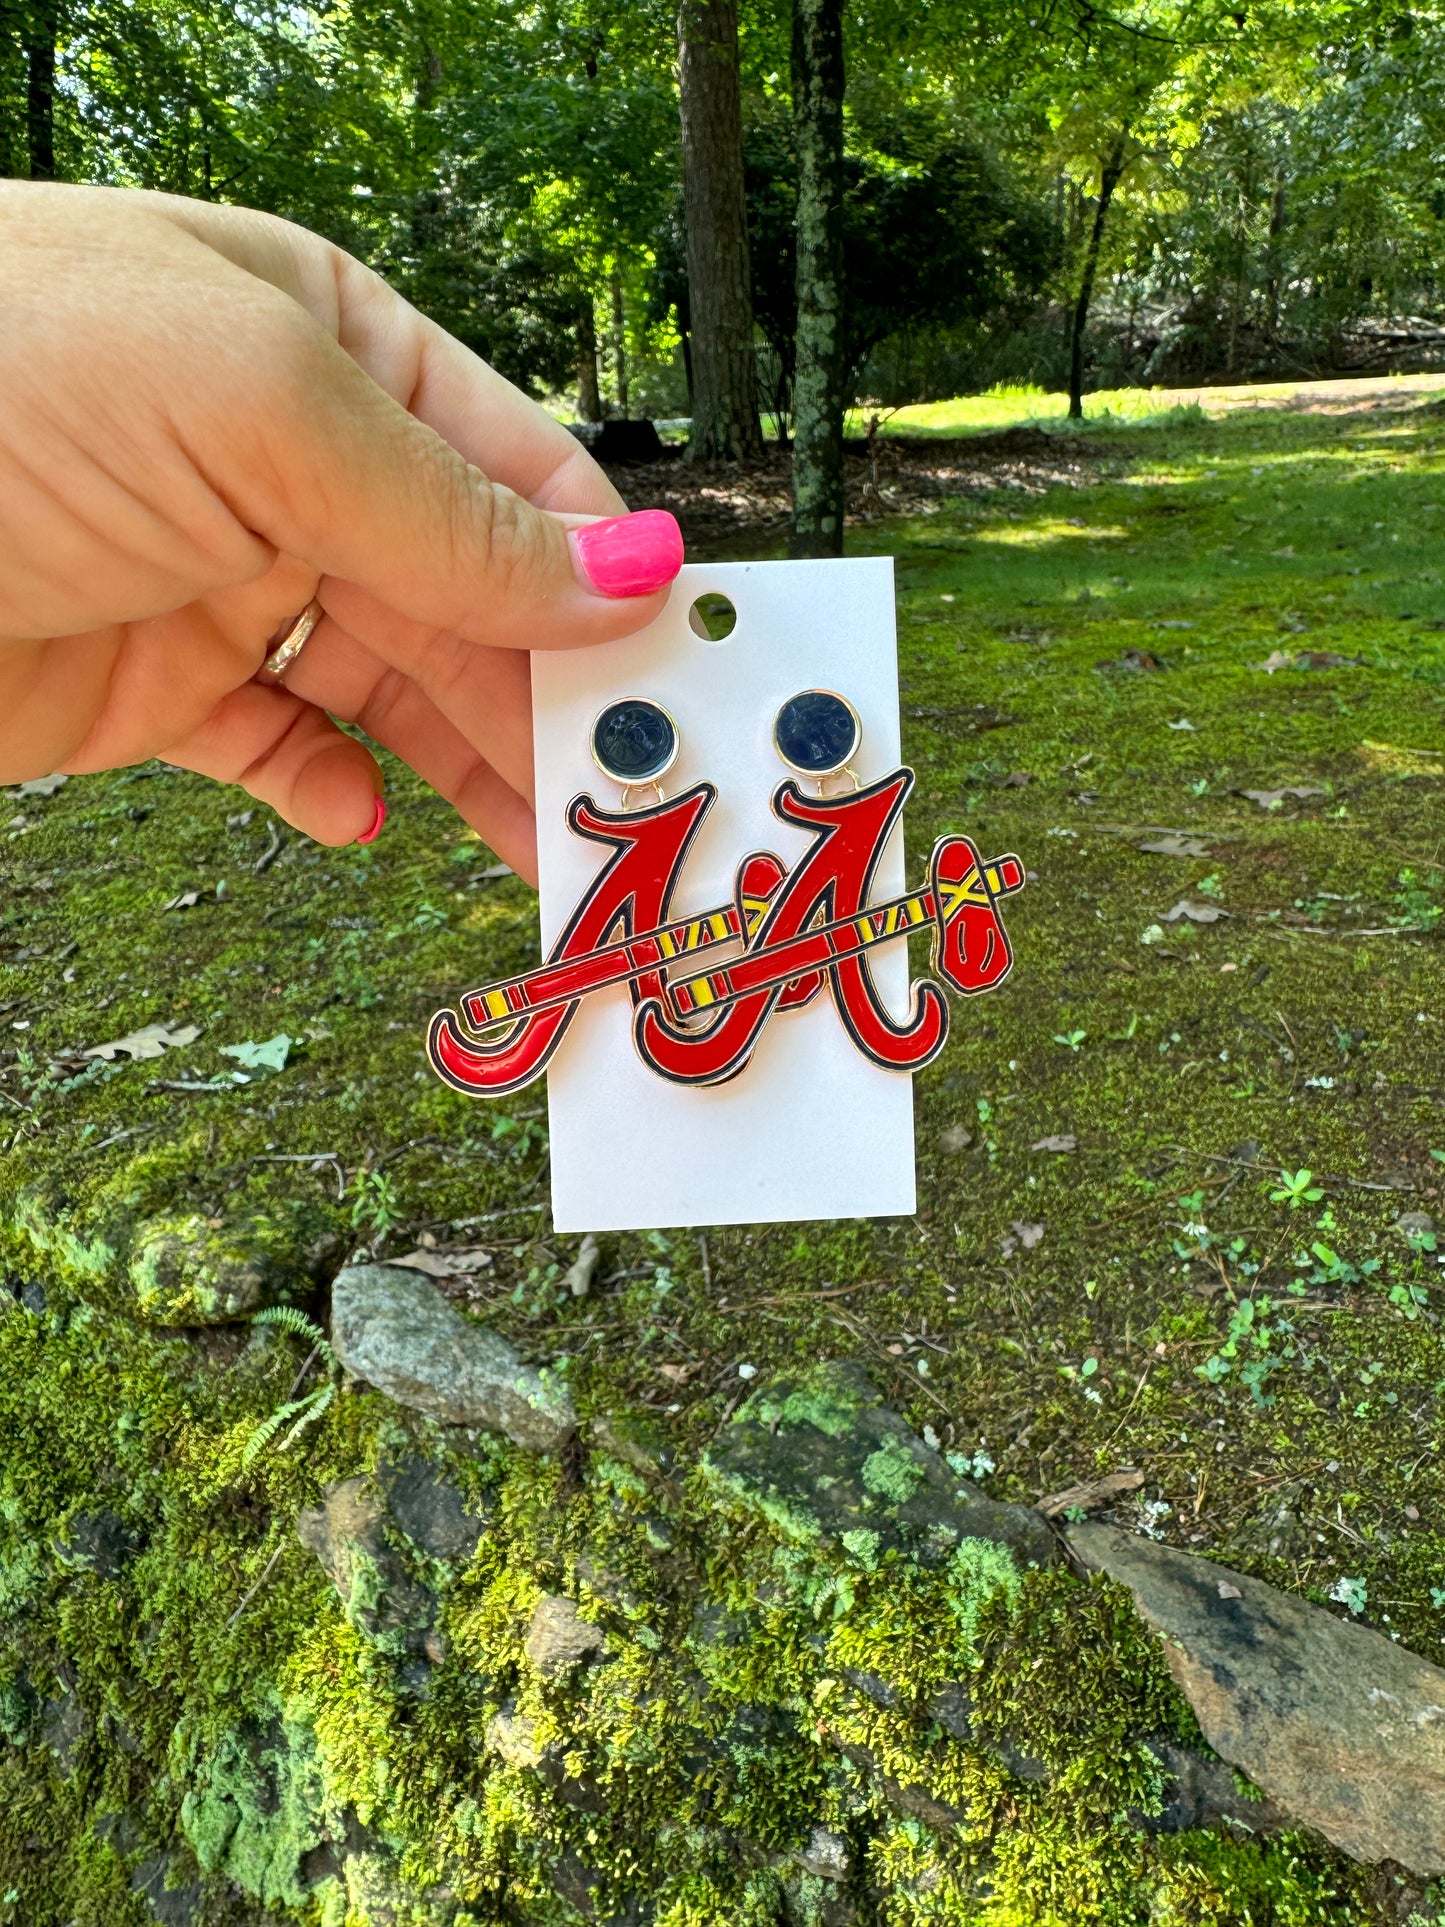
(817,734)
(635,742)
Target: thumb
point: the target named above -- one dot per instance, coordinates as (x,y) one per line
(328,468)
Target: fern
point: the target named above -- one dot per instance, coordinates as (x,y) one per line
(312,1407)
(268,1428)
(288,1318)
(306,1411)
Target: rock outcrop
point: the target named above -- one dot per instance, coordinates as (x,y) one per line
(393,1328)
(1345,1729)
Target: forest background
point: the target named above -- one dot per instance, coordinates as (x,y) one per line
(754,216)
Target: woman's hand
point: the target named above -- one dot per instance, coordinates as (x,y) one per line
(207,418)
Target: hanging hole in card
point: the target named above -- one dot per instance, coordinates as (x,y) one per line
(712,617)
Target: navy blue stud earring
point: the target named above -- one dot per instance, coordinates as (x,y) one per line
(635,742)
(817,733)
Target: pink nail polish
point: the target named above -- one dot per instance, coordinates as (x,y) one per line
(629,554)
(374,832)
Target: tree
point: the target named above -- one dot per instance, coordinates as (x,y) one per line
(937,234)
(818,398)
(722,368)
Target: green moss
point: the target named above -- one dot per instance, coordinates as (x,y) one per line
(892,1472)
(254,1809)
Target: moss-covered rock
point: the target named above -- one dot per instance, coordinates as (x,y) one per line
(193,1271)
(822,1457)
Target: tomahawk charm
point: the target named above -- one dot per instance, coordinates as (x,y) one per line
(786,932)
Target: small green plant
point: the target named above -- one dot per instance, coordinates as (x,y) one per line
(299,1412)
(1071,1040)
(1415,899)
(376,1208)
(1252,1335)
(1296,1188)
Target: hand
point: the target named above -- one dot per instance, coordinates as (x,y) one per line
(207,418)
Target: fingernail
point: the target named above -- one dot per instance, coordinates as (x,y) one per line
(629,554)
(374,832)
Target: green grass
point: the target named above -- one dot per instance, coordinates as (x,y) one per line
(1269,1359)
(1019,406)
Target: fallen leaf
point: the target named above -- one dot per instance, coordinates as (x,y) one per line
(1092,1494)
(1176,625)
(40,786)
(1028,1234)
(1326,659)
(1183,723)
(460,1263)
(954,1140)
(1154,934)
(493,872)
(1287,553)
(1226,1591)
(1276,659)
(1137,661)
(1016,780)
(270,1056)
(153,1041)
(187,900)
(1065,1141)
(1196,912)
(1173,846)
(1271,799)
(679,1374)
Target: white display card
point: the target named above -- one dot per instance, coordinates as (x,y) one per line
(811,1128)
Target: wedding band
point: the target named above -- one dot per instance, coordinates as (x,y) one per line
(274,668)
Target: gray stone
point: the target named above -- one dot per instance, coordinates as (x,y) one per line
(1200,1792)
(431,1511)
(826,1855)
(1340,1726)
(821,1457)
(393,1328)
(170,1906)
(381,1598)
(98,1542)
(559,1639)
(512,1736)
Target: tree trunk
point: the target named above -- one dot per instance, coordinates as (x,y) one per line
(818,375)
(1108,181)
(589,393)
(40,90)
(1276,236)
(619,345)
(720,301)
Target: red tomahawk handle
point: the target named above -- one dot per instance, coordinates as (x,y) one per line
(620,963)
(970,948)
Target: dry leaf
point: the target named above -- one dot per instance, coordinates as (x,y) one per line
(493,872)
(187,900)
(1226,1591)
(955,1139)
(1173,846)
(459,1263)
(1276,659)
(1065,1141)
(679,1374)
(153,1041)
(1196,912)
(1271,799)
(1028,1234)
(1091,1495)
(40,786)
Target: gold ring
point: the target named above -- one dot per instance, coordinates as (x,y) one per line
(292,642)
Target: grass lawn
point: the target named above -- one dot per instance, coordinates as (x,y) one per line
(1160,1172)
